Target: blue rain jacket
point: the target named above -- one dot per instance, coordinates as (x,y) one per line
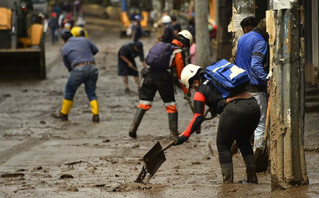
(78,50)
(251,53)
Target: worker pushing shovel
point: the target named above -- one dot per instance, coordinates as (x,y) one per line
(155,157)
(221,86)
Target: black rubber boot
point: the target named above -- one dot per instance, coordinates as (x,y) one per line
(136,122)
(261,159)
(227,172)
(173,124)
(251,169)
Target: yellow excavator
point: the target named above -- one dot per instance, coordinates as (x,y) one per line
(22,41)
(129,10)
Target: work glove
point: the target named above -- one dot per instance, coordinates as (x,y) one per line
(187,96)
(180,139)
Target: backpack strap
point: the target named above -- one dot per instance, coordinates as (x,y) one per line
(217,68)
(176,51)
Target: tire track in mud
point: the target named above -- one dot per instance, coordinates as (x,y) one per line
(23,147)
(4,97)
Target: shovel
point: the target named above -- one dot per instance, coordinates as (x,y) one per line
(153,159)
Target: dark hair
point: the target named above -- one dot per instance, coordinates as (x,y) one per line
(66,34)
(173,18)
(249,21)
(191,21)
(197,76)
(184,40)
(82,33)
(138,45)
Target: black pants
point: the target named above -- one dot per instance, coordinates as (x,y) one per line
(238,121)
(161,82)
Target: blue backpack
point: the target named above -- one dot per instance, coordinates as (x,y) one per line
(161,55)
(228,78)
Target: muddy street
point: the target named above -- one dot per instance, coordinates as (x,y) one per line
(44,157)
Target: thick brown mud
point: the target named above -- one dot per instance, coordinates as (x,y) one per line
(44,157)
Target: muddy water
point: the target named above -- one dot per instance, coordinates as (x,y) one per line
(42,157)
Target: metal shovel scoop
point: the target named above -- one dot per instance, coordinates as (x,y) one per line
(153,159)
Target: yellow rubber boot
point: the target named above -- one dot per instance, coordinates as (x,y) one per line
(65,109)
(95,110)
(66,106)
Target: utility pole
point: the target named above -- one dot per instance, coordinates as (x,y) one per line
(286,137)
(224,44)
(157,5)
(202,37)
(169,7)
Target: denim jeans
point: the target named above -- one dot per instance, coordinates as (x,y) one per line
(86,74)
(54,35)
(260,130)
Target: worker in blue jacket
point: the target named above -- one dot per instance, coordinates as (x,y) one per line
(78,57)
(252,56)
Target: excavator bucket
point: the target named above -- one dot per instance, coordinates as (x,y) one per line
(22,43)
(24,61)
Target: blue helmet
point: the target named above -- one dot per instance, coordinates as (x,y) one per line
(137,18)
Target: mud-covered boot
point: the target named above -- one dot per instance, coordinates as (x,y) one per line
(136,122)
(261,159)
(251,169)
(173,124)
(59,115)
(227,172)
(96,118)
(65,109)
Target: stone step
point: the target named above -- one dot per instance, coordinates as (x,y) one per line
(314,98)
(312,91)
(312,106)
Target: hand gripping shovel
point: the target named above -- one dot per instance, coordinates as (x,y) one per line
(153,159)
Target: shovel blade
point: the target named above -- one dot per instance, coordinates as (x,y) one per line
(154,158)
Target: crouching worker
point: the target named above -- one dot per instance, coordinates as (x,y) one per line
(239,117)
(160,60)
(78,57)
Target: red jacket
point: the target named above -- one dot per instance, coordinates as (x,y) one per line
(179,63)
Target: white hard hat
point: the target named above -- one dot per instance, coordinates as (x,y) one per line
(67,26)
(189,72)
(186,34)
(166,19)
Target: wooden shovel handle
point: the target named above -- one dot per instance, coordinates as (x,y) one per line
(171,143)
